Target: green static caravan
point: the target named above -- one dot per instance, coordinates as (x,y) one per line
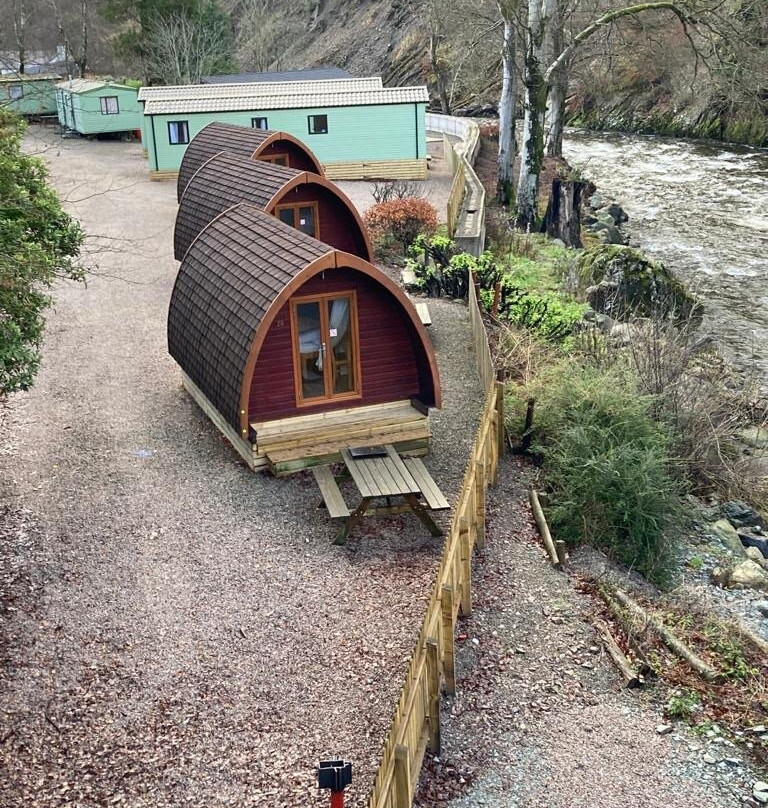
(96,107)
(29,94)
(356,128)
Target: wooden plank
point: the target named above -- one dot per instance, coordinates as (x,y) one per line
(432,494)
(332,496)
(423,311)
(413,486)
(416,432)
(377,468)
(364,486)
(279,425)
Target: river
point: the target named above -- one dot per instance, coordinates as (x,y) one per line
(702,209)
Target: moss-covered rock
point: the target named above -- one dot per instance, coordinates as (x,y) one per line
(624,283)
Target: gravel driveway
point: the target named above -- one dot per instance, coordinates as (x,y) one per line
(176,630)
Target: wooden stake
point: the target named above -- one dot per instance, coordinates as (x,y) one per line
(466,567)
(402,778)
(500,423)
(562,555)
(449,650)
(631,678)
(541,523)
(525,443)
(433,668)
(480,503)
(672,642)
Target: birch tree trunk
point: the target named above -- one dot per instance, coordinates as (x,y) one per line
(557,86)
(540,13)
(506,160)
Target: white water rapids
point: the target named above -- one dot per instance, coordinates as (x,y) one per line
(702,209)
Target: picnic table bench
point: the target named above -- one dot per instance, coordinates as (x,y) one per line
(380,473)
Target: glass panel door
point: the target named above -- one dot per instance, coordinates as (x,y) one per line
(340,341)
(325,348)
(311,350)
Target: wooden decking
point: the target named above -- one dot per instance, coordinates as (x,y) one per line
(292,444)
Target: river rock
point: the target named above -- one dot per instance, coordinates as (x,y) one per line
(618,213)
(748,575)
(596,201)
(752,542)
(762,607)
(753,554)
(626,283)
(610,235)
(605,218)
(726,533)
(739,514)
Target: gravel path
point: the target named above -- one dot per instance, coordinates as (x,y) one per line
(540,719)
(178,630)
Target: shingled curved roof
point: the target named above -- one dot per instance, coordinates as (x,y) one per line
(219,137)
(232,283)
(228,179)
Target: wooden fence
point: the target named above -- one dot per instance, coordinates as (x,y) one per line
(416,722)
(456,195)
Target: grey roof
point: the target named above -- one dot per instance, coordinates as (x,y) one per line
(310,100)
(178,92)
(309,74)
(222,182)
(88,85)
(218,137)
(226,284)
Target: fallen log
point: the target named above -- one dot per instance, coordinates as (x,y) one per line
(541,524)
(631,633)
(631,677)
(704,669)
(749,636)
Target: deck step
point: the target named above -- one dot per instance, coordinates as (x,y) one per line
(290,461)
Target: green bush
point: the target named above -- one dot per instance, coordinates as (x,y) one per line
(607,467)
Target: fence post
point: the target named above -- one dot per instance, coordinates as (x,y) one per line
(433,681)
(402,778)
(449,649)
(500,423)
(480,502)
(465,548)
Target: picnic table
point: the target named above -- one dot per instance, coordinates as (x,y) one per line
(380,473)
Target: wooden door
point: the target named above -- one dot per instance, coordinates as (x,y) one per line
(326,354)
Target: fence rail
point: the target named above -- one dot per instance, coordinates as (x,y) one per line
(416,723)
(456,196)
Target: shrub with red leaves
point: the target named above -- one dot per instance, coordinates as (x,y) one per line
(401,220)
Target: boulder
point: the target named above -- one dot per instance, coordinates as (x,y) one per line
(618,213)
(639,286)
(596,201)
(745,575)
(728,537)
(749,575)
(739,514)
(606,218)
(610,234)
(753,554)
(750,541)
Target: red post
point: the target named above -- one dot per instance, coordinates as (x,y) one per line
(337,799)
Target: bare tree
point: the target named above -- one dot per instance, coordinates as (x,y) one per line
(262,31)
(507,103)
(19,12)
(181,50)
(73,21)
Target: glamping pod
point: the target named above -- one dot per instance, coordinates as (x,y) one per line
(256,144)
(304,200)
(295,349)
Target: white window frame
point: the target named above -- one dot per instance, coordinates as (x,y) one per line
(106,107)
(16,92)
(260,118)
